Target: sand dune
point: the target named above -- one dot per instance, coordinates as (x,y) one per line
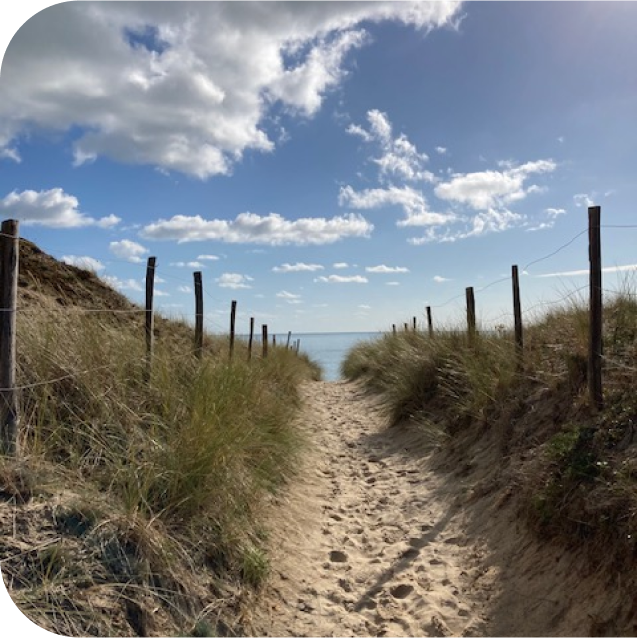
(375,538)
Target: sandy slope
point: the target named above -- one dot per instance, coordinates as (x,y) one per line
(379,536)
(369,543)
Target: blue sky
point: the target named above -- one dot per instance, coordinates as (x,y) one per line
(331,166)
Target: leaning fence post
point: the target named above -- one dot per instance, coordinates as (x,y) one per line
(517,316)
(150,317)
(264,339)
(287,345)
(250,338)
(233,312)
(595,307)
(471,313)
(9,254)
(430,326)
(198,315)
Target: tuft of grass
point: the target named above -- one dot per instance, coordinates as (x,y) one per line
(574,466)
(157,484)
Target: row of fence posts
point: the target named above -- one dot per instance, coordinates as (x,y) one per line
(9,269)
(595,341)
(9,258)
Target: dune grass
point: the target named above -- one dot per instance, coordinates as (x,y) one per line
(139,491)
(573,467)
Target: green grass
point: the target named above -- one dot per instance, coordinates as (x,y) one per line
(155,481)
(574,467)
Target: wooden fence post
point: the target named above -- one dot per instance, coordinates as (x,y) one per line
(430,326)
(471,313)
(9,415)
(393,328)
(233,313)
(406,327)
(264,339)
(517,316)
(251,338)
(150,317)
(287,345)
(595,307)
(415,325)
(274,341)
(198,315)
(298,345)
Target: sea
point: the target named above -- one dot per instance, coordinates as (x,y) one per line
(328,349)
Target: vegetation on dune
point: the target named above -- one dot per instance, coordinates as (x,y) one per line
(136,507)
(573,467)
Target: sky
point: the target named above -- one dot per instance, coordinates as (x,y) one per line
(331,166)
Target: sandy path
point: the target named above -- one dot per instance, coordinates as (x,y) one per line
(367,543)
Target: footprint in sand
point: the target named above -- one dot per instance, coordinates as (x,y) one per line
(401,591)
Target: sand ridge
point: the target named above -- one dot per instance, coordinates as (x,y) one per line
(370,542)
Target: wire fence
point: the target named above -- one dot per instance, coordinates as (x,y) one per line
(8,311)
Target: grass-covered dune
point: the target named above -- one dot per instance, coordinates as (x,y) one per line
(571,469)
(135,507)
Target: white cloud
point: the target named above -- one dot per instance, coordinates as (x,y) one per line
(128,250)
(364,306)
(338,279)
(284,294)
(554,212)
(440,280)
(581,273)
(126,284)
(582,199)
(399,157)
(386,269)
(298,267)
(53,208)
(412,201)
(441,150)
(186,289)
(392,283)
(486,190)
(251,228)
(187,264)
(161,293)
(87,263)
(339,265)
(216,68)
(234,280)
(207,257)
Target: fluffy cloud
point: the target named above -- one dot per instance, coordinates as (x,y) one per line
(440,280)
(298,267)
(386,269)
(184,289)
(87,263)
(284,294)
(234,280)
(126,284)
(216,69)
(128,250)
(250,228)
(338,279)
(207,257)
(486,190)
(412,201)
(53,208)
(187,264)
(339,265)
(583,199)
(399,158)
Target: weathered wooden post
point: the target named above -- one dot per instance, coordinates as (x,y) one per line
(517,316)
(264,339)
(287,345)
(406,327)
(595,352)
(393,328)
(251,338)
(430,325)
(9,264)
(198,315)
(415,325)
(274,341)
(150,317)
(233,312)
(471,314)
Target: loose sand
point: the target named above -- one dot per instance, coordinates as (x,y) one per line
(372,540)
